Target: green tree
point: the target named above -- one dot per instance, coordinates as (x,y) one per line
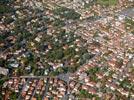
(85,94)
(39,97)
(5,9)
(13,96)
(59,54)
(58,23)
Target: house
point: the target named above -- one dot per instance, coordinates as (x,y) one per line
(34,98)
(15,65)
(46,98)
(10,81)
(99,75)
(123,92)
(113,86)
(87,79)
(60,95)
(4,71)
(92,84)
(2,27)
(37,39)
(92,91)
(85,87)
(72,84)
(27,97)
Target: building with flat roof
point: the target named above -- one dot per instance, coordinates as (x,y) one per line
(129,12)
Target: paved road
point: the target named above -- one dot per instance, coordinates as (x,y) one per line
(36,77)
(24,85)
(46,88)
(34,90)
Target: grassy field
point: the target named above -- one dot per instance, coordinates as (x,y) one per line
(107,2)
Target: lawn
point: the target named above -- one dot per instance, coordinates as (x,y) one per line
(129,24)
(107,2)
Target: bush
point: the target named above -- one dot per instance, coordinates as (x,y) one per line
(5,9)
(59,23)
(6,1)
(8,20)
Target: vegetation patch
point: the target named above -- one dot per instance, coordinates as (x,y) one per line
(67,13)
(107,2)
(129,24)
(85,94)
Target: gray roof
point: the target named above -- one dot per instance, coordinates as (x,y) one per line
(129,12)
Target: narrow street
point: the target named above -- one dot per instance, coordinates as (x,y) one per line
(46,89)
